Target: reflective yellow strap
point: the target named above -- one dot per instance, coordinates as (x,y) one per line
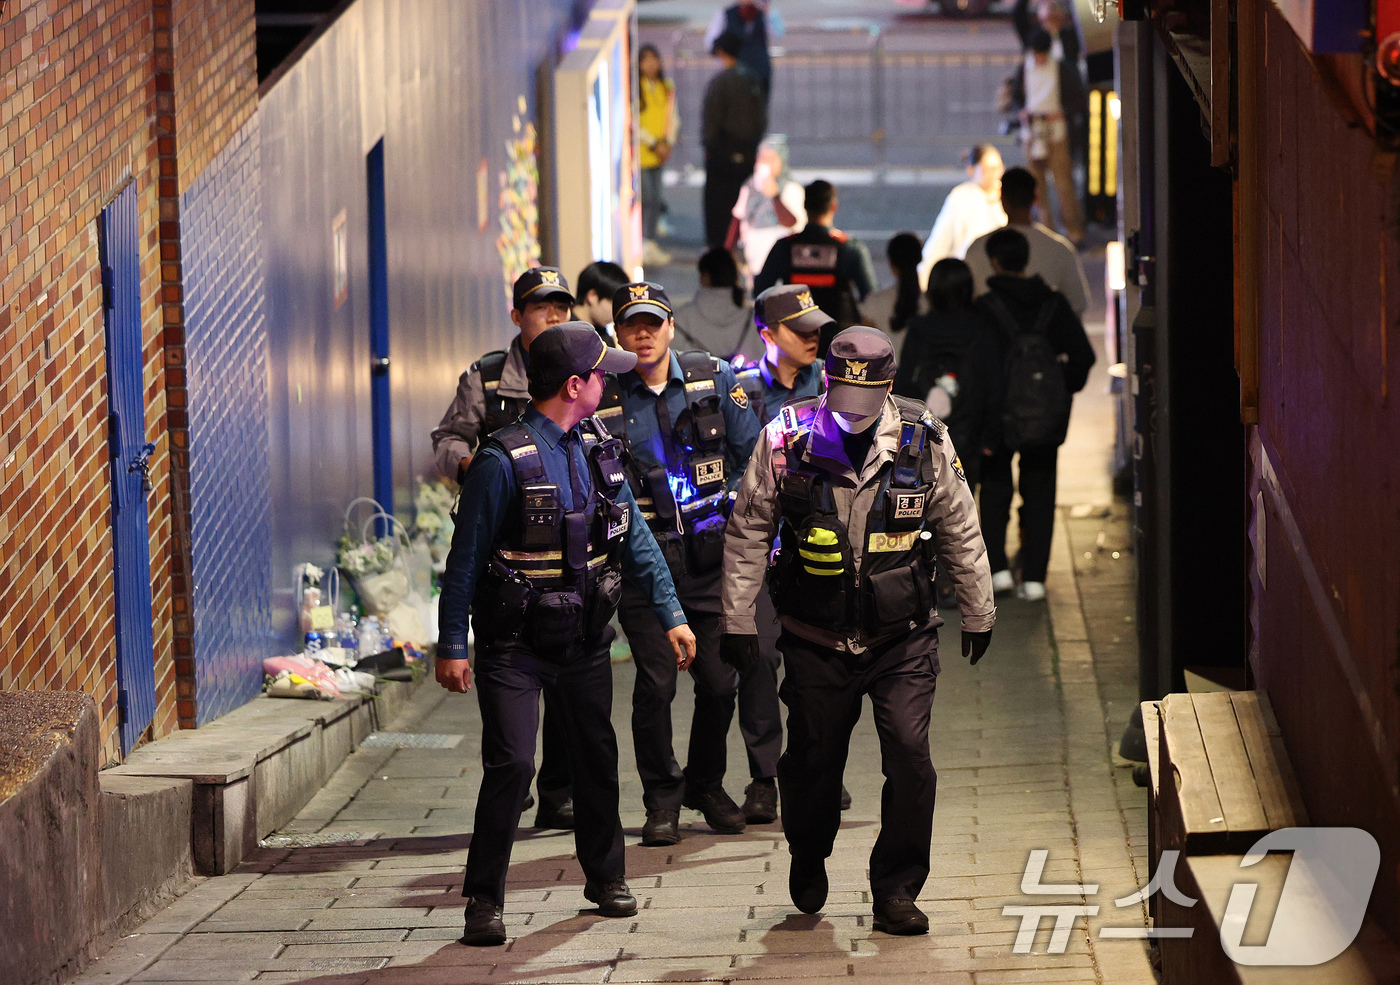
(531,555)
(822,538)
(814,556)
(825,571)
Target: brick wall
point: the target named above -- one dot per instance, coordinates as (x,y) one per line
(76,123)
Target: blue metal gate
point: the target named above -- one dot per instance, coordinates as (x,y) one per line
(119,244)
(379,332)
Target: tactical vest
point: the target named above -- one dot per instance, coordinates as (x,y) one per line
(685,502)
(884,587)
(816,265)
(555,579)
(499,410)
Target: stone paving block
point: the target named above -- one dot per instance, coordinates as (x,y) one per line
(373,919)
(167,970)
(747,968)
(128,956)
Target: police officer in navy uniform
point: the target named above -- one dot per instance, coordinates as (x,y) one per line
(821,257)
(789,323)
(492,393)
(865,499)
(546,529)
(689,430)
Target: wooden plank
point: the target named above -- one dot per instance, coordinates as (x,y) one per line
(1235,783)
(1272,770)
(1221,98)
(1198,804)
(1151,727)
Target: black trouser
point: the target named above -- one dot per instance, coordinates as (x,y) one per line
(509,678)
(553,781)
(723,179)
(760,717)
(1037,515)
(716,683)
(822,689)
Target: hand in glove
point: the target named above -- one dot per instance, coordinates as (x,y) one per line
(740,651)
(975,644)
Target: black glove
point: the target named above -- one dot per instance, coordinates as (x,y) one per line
(975,644)
(740,651)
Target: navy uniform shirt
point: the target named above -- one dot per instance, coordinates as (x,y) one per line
(807,383)
(741,428)
(491,497)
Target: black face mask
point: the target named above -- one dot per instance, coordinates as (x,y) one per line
(857,446)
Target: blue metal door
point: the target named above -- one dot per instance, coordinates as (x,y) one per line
(119,243)
(379,332)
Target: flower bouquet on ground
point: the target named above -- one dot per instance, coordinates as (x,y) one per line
(375,564)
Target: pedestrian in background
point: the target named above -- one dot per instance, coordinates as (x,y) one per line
(971,209)
(890,308)
(719,318)
(659,125)
(770,206)
(755,23)
(1066,45)
(1046,119)
(1045,358)
(733,119)
(597,283)
(836,268)
(948,363)
(1053,257)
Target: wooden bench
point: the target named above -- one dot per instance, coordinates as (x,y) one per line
(1225,780)
(1221,780)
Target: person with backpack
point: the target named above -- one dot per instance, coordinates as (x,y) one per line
(1045,357)
(948,360)
(494,392)
(733,119)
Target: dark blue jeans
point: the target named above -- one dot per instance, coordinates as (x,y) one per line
(508,681)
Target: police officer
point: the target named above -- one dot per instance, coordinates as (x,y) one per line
(545,533)
(789,323)
(836,268)
(864,500)
(689,430)
(492,393)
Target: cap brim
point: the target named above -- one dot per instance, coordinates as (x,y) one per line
(852,398)
(617,361)
(546,291)
(809,322)
(640,308)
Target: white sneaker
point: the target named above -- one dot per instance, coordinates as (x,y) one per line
(1031,591)
(1002,582)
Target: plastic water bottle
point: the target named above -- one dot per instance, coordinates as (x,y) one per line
(369,638)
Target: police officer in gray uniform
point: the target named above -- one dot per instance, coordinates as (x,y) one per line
(492,393)
(546,530)
(865,500)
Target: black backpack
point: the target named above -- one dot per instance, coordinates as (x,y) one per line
(1036,401)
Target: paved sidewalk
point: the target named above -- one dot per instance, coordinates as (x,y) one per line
(1022,750)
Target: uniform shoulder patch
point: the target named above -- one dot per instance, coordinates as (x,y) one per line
(958,468)
(740,396)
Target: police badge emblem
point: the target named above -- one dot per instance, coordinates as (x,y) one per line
(740,396)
